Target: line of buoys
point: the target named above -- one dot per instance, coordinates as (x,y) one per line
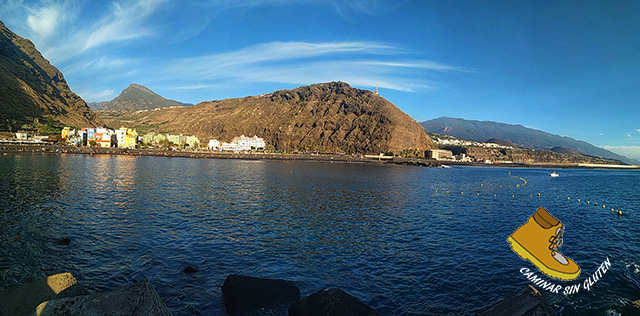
(618,212)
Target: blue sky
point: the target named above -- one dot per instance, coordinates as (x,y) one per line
(565,67)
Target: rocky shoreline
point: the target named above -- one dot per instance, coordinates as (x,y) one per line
(139,152)
(61,294)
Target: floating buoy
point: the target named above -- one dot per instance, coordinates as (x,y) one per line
(588,202)
(603,206)
(481,184)
(513,196)
(494,195)
(578,200)
(612,210)
(478,194)
(538,194)
(447,192)
(619,212)
(462,193)
(568,198)
(517,185)
(596,203)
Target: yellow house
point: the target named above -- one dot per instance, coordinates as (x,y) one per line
(65,132)
(131,138)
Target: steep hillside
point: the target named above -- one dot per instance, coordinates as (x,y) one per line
(31,88)
(136,98)
(328,117)
(521,136)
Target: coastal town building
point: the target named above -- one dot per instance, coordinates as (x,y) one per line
(100,137)
(65,132)
(440,154)
(192,141)
(214,144)
(176,139)
(460,142)
(131,138)
(244,143)
(76,137)
(229,147)
(156,139)
(22,135)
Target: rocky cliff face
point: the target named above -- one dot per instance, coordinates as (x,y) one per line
(137,97)
(31,88)
(328,117)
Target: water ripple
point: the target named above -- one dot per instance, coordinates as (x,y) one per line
(390,235)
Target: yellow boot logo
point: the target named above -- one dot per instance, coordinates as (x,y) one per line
(539,241)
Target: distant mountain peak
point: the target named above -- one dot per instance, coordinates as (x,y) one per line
(140,87)
(137,97)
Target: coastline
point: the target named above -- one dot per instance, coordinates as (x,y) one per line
(139,152)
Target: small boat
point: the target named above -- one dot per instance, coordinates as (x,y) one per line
(554,174)
(445,166)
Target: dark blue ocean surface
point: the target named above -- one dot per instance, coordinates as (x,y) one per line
(380,232)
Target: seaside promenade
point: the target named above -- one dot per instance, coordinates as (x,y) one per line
(344,158)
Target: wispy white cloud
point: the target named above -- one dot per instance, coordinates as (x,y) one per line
(368,7)
(341,7)
(305,63)
(418,64)
(44,21)
(633,132)
(53,25)
(101,64)
(215,65)
(126,22)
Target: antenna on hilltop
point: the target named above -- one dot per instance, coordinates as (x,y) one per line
(376,92)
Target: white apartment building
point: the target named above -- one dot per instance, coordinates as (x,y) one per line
(245,143)
(214,144)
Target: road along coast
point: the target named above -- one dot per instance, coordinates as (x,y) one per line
(355,158)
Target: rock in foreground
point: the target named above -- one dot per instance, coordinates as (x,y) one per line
(527,301)
(137,299)
(245,295)
(330,302)
(23,299)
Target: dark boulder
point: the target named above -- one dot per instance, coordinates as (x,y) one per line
(527,301)
(245,295)
(139,299)
(330,302)
(631,309)
(24,299)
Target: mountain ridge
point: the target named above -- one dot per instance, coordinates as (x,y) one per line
(31,88)
(325,117)
(520,135)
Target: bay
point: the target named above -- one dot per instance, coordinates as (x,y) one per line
(405,240)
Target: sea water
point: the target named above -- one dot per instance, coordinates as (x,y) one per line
(405,240)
